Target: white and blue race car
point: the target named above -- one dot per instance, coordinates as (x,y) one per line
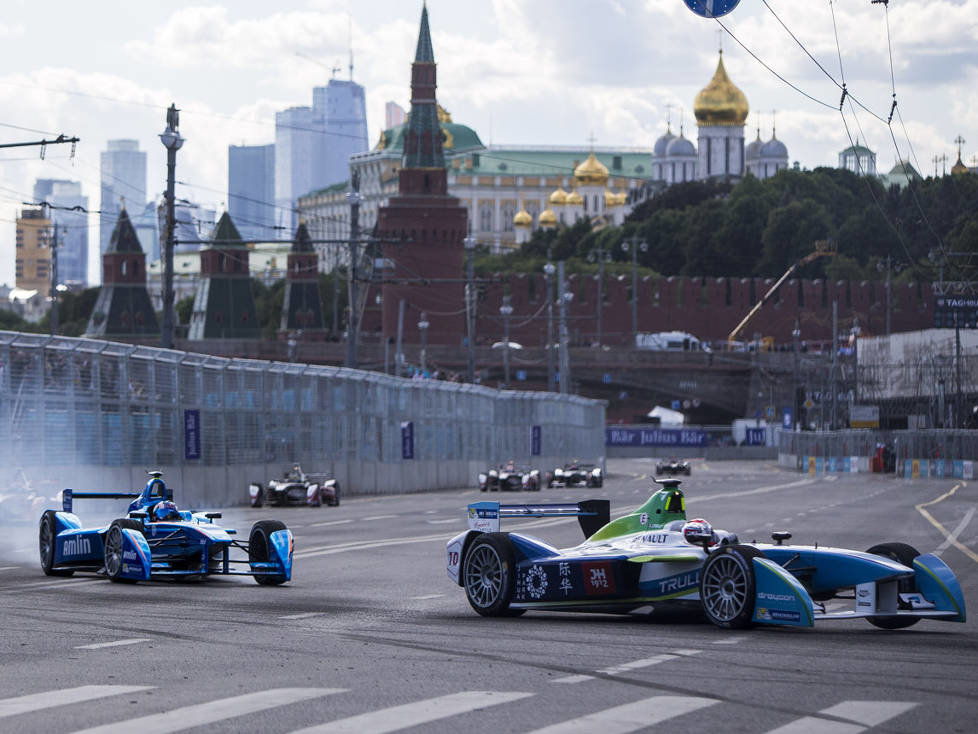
(655,557)
(157,540)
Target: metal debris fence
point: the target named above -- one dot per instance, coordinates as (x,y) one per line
(83,402)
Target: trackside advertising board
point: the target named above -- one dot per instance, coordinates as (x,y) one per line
(655,437)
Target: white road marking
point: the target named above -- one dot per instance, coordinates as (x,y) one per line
(864,714)
(8,568)
(442,522)
(630,716)
(60,583)
(951,539)
(759,490)
(377,517)
(730,640)
(64,697)
(303,615)
(427,596)
(114,643)
(414,714)
(633,665)
(188,717)
(329,522)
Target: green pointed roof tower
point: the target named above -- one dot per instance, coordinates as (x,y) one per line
(224,307)
(302,308)
(123,308)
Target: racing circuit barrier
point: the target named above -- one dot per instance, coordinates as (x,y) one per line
(907,454)
(92,414)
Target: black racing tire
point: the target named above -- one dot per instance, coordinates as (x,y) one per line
(335,502)
(259,549)
(688,470)
(489,575)
(901,553)
(113,548)
(728,586)
(45,539)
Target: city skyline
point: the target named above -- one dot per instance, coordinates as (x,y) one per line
(518,72)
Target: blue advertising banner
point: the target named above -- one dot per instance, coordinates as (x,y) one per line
(655,437)
(535,441)
(191,434)
(756,437)
(407,440)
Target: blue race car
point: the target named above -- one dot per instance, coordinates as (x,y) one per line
(157,540)
(655,557)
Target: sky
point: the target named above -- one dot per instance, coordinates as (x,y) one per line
(519,72)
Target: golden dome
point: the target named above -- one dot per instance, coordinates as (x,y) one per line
(720,102)
(523,218)
(547,218)
(574,199)
(591,171)
(958,167)
(622,198)
(610,199)
(558,197)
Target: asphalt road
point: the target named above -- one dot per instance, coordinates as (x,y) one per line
(371,636)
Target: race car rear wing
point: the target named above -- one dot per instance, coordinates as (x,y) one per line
(69,495)
(591,514)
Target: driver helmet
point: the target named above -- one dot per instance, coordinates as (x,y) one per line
(165,511)
(697,530)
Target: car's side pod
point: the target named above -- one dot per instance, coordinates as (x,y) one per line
(779,598)
(137,559)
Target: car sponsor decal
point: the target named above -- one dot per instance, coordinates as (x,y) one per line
(535,581)
(777,615)
(644,519)
(599,578)
(679,582)
(77,546)
(566,582)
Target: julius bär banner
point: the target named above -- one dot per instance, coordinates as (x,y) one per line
(655,437)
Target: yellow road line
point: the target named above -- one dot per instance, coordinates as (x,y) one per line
(950,537)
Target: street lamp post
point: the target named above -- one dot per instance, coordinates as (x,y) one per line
(565,299)
(470,243)
(634,245)
(423,328)
(548,271)
(172,141)
(506,310)
(795,405)
(353,325)
(600,256)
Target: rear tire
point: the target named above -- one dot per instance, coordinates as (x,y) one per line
(46,537)
(260,549)
(335,502)
(489,575)
(114,548)
(901,553)
(728,588)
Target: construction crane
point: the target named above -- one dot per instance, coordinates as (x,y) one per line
(822,248)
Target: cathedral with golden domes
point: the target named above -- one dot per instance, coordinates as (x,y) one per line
(721,111)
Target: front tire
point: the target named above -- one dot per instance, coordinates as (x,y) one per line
(901,553)
(114,548)
(46,534)
(260,549)
(728,587)
(489,575)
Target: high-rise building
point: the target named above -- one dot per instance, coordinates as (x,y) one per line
(251,190)
(313,145)
(33,263)
(123,178)
(72,226)
(394,115)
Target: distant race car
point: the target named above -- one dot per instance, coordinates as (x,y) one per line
(510,477)
(296,488)
(21,500)
(156,540)
(655,556)
(673,467)
(574,474)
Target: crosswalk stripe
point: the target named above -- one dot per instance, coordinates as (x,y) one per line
(630,716)
(187,717)
(633,665)
(863,714)
(49,699)
(414,714)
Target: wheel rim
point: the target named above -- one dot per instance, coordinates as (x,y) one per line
(483,576)
(725,588)
(113,552)
(46,541)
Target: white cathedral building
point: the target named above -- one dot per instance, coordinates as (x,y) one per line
(721,111)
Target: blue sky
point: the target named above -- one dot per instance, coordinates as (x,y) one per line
(517,71)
